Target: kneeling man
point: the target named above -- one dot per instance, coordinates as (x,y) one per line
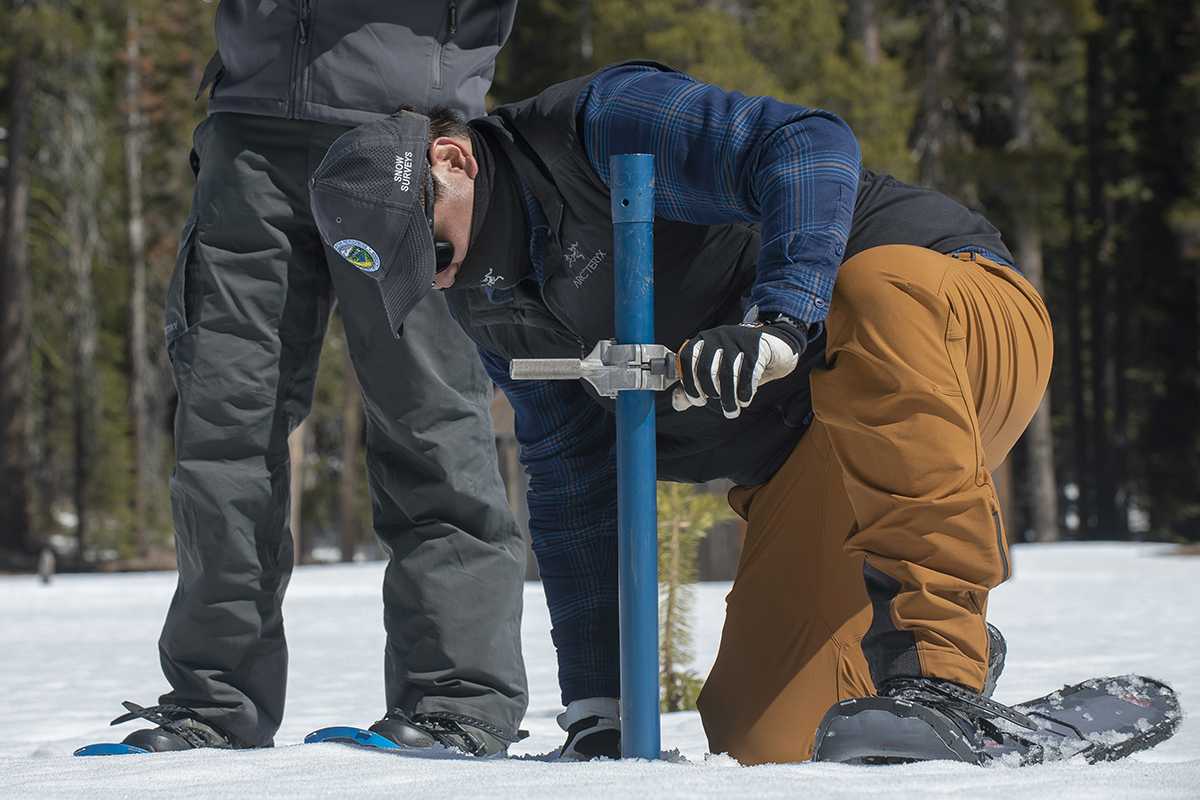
(857,355)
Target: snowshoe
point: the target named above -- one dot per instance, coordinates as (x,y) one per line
(925,719)
(438,730)
(179,728)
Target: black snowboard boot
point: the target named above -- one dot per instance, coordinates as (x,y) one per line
(924,719)
(178,728)
(997,650)
(443,729)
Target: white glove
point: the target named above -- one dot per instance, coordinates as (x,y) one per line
(729,363)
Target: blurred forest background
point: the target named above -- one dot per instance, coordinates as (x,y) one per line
(1074,124)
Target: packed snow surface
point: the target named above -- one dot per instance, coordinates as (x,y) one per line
(73,650)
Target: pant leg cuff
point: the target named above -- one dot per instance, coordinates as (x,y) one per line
(952,666)
(448,705)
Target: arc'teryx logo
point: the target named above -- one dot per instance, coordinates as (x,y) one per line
(403,172)
(489,280)
(574,255)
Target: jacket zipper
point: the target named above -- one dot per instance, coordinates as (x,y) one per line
(439,47)
(302,31)
(560,318)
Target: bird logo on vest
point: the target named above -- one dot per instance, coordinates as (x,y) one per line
(573,255)
(358,253)
(489,280)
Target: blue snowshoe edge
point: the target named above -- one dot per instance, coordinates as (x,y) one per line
(110,749)
(346,734)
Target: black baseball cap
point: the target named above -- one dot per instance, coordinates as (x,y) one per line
(372,200)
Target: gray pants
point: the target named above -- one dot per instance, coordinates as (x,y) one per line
(246,313)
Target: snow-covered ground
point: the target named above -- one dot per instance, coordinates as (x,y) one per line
(70,652)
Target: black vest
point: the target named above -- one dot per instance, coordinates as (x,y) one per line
(702,274)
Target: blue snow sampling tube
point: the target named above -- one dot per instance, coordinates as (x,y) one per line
(632,190)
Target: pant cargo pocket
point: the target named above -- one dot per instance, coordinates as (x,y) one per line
(183,302)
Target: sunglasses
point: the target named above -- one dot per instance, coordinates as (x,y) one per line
(443,252)
(444,255)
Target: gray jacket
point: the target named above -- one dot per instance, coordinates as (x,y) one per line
(351,61)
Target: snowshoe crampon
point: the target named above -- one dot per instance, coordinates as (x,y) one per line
(1102,719)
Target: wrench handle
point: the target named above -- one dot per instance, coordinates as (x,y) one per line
(546,369)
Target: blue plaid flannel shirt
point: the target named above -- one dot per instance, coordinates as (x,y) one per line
(720,157)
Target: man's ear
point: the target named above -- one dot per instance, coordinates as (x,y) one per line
(455,154)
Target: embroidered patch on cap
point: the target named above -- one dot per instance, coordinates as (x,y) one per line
(358,253)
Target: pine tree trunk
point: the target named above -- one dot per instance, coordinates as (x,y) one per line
(1099,246)
(1125,226)
(1039,437)
(586,45)
(863,26)
(1080,424)
(81,229)
(46,472)
(351,477)
(16,388)
(933,132)
(139,361)
(297,449)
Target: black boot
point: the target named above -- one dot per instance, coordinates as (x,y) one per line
(924,719)
(593,726)
(997,650)
(178,728)
(592,737)
(442,729)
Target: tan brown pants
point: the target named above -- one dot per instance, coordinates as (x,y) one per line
(870,553)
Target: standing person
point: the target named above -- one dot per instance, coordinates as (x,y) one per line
(857,354)
(246,314)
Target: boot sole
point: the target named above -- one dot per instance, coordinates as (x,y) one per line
(883,730)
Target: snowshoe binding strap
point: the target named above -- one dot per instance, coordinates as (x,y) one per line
(968,702)
(457,731)
(179,720)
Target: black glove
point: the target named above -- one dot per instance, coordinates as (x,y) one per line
(730,362)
